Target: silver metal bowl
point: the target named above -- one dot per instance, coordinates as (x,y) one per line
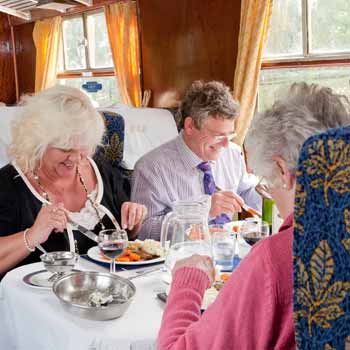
(59,262)
(74,292)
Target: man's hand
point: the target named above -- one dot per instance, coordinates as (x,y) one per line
(226,202)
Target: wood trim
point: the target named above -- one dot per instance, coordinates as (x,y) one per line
(14,59)
(97,5)
(139,29)
(38,14)
(313,63)
(80,75)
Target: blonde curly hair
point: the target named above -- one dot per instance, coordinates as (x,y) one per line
(61,117)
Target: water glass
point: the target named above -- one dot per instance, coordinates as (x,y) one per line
(112,243)
(223,246)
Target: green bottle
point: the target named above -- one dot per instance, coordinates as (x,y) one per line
(267,210)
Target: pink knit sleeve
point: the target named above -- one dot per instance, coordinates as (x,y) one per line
(183,307)
(243,316)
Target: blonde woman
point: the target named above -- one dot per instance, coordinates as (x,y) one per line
(52,177)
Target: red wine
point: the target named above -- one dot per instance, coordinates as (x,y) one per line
(252,237)
(112,249)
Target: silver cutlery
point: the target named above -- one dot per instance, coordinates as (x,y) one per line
(84,231)
(144,272)
(41,248)
(149,269)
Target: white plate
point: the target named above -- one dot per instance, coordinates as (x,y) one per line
(39,279)
(94,253)
(208,297)
(229,226)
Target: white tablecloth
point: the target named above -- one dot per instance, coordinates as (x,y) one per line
(33,319)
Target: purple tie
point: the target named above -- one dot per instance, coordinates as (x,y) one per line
(210,188)
(208,179)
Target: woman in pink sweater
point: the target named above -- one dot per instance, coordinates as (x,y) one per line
(254,310)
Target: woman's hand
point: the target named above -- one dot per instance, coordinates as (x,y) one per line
(202,262)
(50,218)
(132,215)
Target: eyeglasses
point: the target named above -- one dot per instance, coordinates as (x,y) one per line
(218,138)
(221,138)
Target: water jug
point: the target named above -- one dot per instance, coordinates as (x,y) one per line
(185,230)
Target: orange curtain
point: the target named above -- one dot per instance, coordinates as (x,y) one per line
(255,20)
(46,36)
(122,27)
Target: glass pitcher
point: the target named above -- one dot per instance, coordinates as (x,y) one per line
(185,230)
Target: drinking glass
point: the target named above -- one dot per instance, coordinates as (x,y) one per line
(223,246)
(112,243)
(253,231)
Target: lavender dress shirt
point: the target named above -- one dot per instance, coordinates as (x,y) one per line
(169,173)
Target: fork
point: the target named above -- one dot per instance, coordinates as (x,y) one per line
(145,272)
(149,269)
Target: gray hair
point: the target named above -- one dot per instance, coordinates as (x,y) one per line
(282,129)
(207,99)
(330,108)
(61,117)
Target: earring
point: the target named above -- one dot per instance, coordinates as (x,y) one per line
(284,186)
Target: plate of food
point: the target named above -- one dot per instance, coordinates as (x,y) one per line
(234,226)
(138,252)
(209,295)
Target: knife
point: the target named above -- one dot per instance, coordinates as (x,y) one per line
(84,231)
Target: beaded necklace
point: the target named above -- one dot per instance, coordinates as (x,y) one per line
(82,181)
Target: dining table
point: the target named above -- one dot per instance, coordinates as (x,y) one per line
(33,318)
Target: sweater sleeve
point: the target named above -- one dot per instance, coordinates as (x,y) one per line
(242,317)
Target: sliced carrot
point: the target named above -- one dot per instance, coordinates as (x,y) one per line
(123,259)
(225,276)
(134,257)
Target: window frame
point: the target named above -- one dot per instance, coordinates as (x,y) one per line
(307,59)
(88,71)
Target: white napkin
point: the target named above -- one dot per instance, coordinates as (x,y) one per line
(112,344)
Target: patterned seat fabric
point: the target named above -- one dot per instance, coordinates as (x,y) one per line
(113,140)
(113,145)
(322,243)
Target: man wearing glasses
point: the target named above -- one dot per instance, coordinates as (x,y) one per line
(200,160)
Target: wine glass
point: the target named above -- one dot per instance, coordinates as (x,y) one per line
(112,243)
(253,231)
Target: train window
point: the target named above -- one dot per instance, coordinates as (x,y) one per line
(86,59)
(74,44)
(100,55)
(85,42)
(307,41)
(107,95)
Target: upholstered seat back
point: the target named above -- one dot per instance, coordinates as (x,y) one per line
(7,116)
(113,140)
(145,129)
(322,242)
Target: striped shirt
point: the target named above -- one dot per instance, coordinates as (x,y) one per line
(169,173)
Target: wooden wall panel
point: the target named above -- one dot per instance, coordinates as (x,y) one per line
(7,80)
(185,40)
(25,57)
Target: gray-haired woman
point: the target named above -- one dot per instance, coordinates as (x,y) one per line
(254,310)
(52,177)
